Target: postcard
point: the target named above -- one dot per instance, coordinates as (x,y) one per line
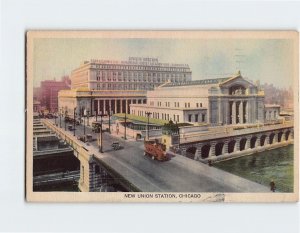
(162,116)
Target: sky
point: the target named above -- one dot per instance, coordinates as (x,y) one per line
(266,60)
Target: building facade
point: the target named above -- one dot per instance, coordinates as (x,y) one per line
(89,102)
(223,101)
(49,93)
(135,74)
(106,85)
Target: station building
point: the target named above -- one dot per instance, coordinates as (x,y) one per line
(108,85)
(222,101)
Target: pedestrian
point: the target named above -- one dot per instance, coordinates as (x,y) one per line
(272,186)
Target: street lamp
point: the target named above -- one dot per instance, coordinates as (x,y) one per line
(60,117)
(125,126)
(55,117)
(82,112)
(66,112)
(100,133)
(148,116)
(74,120)
(109,113)
(88,113)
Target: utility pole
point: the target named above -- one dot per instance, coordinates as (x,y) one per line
(109,113)
(125,125)
(148,116)
(101,133)
(60,117)
(66,121)
(74,120)
(88,113)
(83,124)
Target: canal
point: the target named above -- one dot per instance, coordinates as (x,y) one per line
(263,167)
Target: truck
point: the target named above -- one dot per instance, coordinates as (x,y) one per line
(157,150)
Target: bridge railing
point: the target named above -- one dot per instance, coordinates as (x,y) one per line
(70,139)
(228,132)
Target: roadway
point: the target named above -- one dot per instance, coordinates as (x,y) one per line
(180,174)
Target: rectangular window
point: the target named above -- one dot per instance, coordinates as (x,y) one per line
(190,118)
(203,117)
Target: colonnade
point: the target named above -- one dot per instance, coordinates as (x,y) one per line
(116,105)
(239,111)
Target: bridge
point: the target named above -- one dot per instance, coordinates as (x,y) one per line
(228,142)
(140,173)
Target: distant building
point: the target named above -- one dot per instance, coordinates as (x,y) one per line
(49,89)
(106,85)
(222,101)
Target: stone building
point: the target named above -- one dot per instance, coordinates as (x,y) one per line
(106,85)
(222,101)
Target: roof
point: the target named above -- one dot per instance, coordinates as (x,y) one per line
(197,82)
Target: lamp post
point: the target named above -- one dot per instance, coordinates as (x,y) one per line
(96,113)
(60,117)
(83,124)
(74,120)
(109,113)
(148,116)
(66,113)
(125,126)
(100,133)
(55,114)
(88,113)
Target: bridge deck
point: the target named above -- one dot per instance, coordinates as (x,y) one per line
(180,174)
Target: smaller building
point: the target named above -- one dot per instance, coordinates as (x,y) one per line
(49,93)
(272,112)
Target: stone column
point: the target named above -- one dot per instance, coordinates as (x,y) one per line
(257,143)
(116,102)
(212,150)
(121,105)
(220,112)
(98,102)
(267,140)
(110,106)
(225,148)
(247,111)
(233,112)
(104,106)
(198,153)
(241,113)
(248,143)
(126,103)
(275,139)
(237,145)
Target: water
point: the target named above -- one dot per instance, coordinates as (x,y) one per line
(263,167)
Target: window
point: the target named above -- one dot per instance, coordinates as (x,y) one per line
(203,117)
(196,117)
(190,117)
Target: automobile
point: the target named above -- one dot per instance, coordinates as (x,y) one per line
(116,145)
